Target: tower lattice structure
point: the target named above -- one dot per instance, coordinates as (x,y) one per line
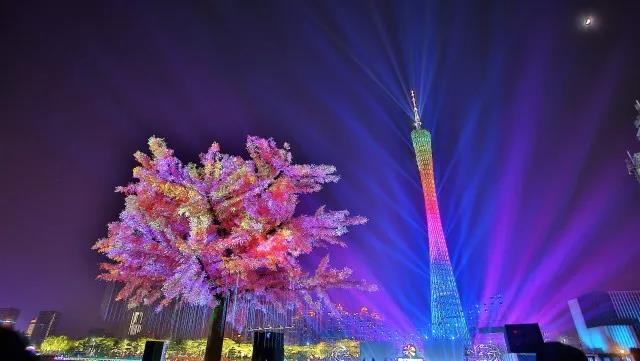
(447,317)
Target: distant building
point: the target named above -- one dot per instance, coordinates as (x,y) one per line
(627,305)
(8,317)
(175,321)
(43,326)
(97,332)
(30,328)
(184,321)
(307,326)
(607,321)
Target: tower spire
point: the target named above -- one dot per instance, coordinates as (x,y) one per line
(416,116)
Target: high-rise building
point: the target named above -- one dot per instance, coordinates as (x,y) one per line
(43,326)
(447,317)
(607,321)
(633,160)
(30,328)
(175,321)
(626,305)
(8,317)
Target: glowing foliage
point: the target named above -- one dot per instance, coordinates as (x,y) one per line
(339,350)
(194,349)
(57,345)
(236,350)
(200,231)
(95,346)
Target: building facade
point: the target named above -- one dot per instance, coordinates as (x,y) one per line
(43,326)
(32,325)
(607,321)
(626,305)
(8,317)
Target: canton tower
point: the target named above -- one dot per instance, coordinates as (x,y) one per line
(447,318)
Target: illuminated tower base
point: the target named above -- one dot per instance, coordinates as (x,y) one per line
(447,319)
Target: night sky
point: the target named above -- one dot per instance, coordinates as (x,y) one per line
(531,118)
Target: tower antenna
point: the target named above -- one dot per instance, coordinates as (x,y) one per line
(416,116)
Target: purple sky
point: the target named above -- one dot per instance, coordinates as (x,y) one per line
(531,118)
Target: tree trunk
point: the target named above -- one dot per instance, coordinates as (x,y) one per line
(213,352)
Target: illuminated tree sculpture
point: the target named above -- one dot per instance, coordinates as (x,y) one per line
(199,233)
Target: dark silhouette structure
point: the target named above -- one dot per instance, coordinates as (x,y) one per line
(268,346)
(523,338)
(557,351)
(13,346)
(154,350)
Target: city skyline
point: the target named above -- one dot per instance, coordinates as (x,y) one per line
(531,118)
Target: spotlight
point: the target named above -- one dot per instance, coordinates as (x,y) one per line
(588,22)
